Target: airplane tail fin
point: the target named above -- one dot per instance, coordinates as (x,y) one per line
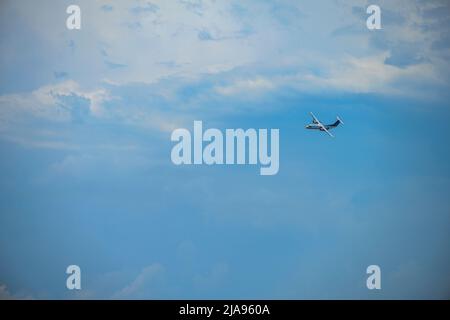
(338,121)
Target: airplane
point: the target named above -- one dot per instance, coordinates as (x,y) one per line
(317,125)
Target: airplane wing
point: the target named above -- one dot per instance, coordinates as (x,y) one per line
(325,129)
(314,118)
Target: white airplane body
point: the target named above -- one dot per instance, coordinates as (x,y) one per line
(317,125)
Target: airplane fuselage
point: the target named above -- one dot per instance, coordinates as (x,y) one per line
(317,127)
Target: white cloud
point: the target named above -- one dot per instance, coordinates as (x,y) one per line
(45,102)
(349,74)
(246,85)
(34,119)
(25,117)
(6,295)
(143,285)
(190,39)
(369,75)
(142,40)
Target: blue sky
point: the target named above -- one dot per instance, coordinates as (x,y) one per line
(85,123)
